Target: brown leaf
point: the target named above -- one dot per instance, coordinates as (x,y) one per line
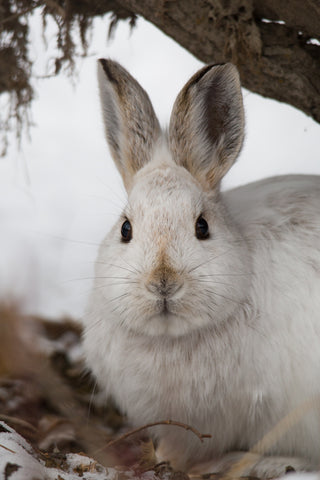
(10,468)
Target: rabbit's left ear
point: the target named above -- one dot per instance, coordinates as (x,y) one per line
(207,124)
(131,125)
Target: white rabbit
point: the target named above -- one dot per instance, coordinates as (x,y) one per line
(206,305)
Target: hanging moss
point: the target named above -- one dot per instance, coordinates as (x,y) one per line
(73,19)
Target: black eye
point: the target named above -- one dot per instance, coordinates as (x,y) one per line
(126,231)
(202,228)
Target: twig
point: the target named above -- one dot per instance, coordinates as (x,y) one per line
(19,14)
(6,448)
(17,421)
(55,6)
(205,476)
(201,436)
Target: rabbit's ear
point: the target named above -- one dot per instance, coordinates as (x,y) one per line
(207,123)
(131,125)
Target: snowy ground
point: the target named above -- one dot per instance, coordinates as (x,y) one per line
(61,193)
(20,462)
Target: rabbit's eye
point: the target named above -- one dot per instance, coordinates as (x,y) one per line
(126,231)
(202,228)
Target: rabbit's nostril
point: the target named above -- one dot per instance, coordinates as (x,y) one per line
(159,288)
(164,288)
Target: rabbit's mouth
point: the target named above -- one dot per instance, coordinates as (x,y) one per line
(165,307)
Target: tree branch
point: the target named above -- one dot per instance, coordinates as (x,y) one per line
(275,45)
(276,60)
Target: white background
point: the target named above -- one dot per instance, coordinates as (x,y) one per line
(60,193)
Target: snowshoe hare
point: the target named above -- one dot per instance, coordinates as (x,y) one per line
(206,305)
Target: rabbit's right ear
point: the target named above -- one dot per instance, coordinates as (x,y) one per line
(207,124)
(131,125)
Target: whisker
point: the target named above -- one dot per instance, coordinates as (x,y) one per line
(105,304)
(122,295)
(93,325)
(120,313)
(87,291)
(122,200)
(136,270)
(204,296)
(91,400)
(210,259)
(114,265)
(123,268)
(129,282)
(214,282)
(226,274)
(227,298)
(93,278)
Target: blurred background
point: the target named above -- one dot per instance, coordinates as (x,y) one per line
(60,192)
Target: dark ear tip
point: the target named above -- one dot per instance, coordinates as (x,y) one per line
(210,69)
(107,64)
(228,66)
(226,71)
(103,61)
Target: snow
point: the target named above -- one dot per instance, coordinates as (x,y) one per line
(19,459)
(302,476)
(16,454)
(23,463)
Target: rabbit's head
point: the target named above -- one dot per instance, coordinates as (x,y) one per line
(173,262)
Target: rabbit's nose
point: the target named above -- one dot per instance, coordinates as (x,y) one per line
(164,287)
(164,280)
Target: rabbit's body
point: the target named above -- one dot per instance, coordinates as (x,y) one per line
(218,329)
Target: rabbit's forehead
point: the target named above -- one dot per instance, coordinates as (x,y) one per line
(163,188)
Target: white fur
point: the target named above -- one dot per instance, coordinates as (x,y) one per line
(239,348)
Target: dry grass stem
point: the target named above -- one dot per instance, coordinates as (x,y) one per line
(201,436)
(271,437)
(17,421)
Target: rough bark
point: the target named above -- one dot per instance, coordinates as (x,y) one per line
(274,43)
